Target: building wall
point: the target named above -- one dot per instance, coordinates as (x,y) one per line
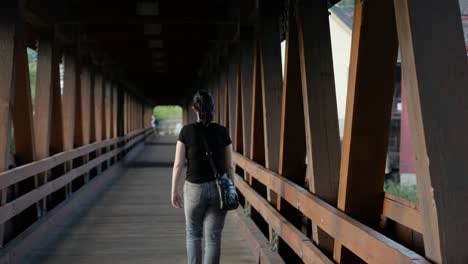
(341,48)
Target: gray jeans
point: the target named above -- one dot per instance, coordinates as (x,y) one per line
(201,205)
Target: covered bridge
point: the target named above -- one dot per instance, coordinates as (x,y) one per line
(83,180)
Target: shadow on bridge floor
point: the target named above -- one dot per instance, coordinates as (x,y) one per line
(152,143)
(148,164)
(132,221)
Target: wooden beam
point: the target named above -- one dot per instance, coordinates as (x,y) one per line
(71,90)
(225,87)
(257,147)
(98,111)
(257,243)
(435,74)
(108,106)
(115,105)
(232,90)
(238,136)
(91,106)
(43,101)
(22,108)
(292,148)
(104,106)
(303,247)
(320,111)
(56,131)
(402,213)
(47,106)
(368,114)
(271,78)
(125,112)
(70,87)
(8,32)
(247,68)
(367,243)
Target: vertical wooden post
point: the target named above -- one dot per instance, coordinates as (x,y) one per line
(115,103)
(257,146)
(108,107)
(91,106)
(232,90)
(247,68)
(120,112)
(22,108)
(71,85)
(225,98)
(108,116)
(8,29)
(271,78)
(238,135)
(368,114)
(292,148)
(83,112)
(320,112)
(125,112)
(47,102)
(218,97)
(98,111)
(104,106)
(56,132)
(23,128)
(435,73)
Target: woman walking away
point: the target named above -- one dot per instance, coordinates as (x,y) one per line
(201,198)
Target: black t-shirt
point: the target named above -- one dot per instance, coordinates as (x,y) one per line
(198,165)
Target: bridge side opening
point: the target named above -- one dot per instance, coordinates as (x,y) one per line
(169,119)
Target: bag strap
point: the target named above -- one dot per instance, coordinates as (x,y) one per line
(208,153)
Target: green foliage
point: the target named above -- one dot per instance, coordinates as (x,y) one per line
(402,191)
(168,112)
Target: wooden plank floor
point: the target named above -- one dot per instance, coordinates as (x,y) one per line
(133,221)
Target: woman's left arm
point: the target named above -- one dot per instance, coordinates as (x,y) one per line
(176,174)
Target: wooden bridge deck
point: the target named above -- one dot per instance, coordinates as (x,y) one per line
(133,221)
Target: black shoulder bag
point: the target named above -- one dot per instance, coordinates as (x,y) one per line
(228,198)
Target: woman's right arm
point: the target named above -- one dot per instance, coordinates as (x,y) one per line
(229,162)
(176,174)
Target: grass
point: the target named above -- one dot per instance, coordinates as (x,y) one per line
(403,191)
(168,112)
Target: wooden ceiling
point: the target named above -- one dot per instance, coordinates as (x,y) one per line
(156,46)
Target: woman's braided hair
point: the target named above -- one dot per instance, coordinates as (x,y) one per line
(203,103)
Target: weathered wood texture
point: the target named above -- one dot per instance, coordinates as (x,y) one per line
(232,90)
(435,73)
(363,241)
(368,113)
(18,174)
(238,134)
(98,107)
(271,80)
(320,111)
(292,148)
(23,245)
(132,222)
(22,108)
(70,87)
(7,66)
(44,94)
(247,69)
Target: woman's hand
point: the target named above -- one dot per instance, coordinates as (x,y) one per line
(176,200)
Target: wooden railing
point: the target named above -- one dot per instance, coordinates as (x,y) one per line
(16,175)
(368,244)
